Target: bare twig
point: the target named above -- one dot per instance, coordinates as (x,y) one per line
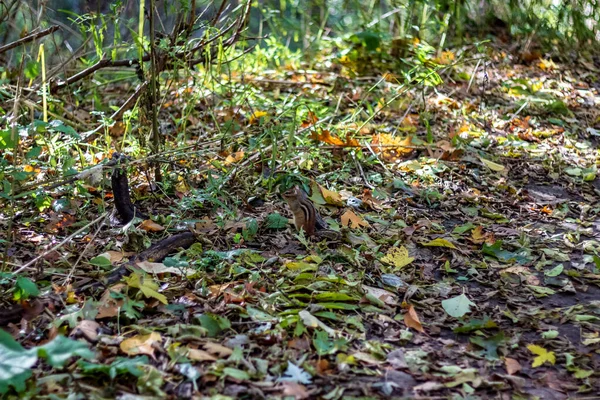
(28,38)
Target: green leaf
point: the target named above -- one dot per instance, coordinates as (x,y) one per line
(551,334)
(490,345)
(101,262)
(26,288)
(61,349)
(555,271)
(236,373)
(15,363)
(120,366)
(276,221)
(464,228)
(213,324)
(258,315)
(506,256)
(457,306)
(6,141)
(250,230)
(31,70)
(59,126)
(33,153)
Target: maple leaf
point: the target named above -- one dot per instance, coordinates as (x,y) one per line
(543,355)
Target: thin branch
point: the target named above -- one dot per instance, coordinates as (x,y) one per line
(28,38)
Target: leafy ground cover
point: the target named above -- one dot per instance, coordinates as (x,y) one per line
(467,202)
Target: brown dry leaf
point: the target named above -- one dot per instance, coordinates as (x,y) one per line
(295,390)
(151,226)
(512,366)
(117,130)
(353,220)
(477,235)
(370,201)
(108,307)
(527,136)
(446,151)
(200,355)
(411,319)
(391,148)
(140,344)
(115,256)
(311,119)
(326,137)
(218,349)
(88,329)
(234,158)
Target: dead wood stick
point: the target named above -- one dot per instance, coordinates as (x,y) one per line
(28,38)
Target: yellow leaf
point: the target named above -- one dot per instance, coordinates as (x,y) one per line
(355,221)
(398,257)
(542,354)
(492,165)
(331,197)
(256,116)
(140,344)
(439,242)
(234,158)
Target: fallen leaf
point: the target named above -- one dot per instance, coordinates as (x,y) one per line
(295,390)
(333,198)
(512,366)
(108,306)
(355,221)
(150,226)
(234,158)
(386,296)
(141,344)
(439,242)
(200,355)
(158,268)
(255,117)
(411,319)
(398,257)
(543,355)
(218,349)
(492,165)
(390,148)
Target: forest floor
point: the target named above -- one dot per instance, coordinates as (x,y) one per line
(468,265)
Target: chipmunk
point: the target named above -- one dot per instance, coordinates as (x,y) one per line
(305,214)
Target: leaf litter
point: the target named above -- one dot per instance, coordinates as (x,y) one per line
(470,266)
